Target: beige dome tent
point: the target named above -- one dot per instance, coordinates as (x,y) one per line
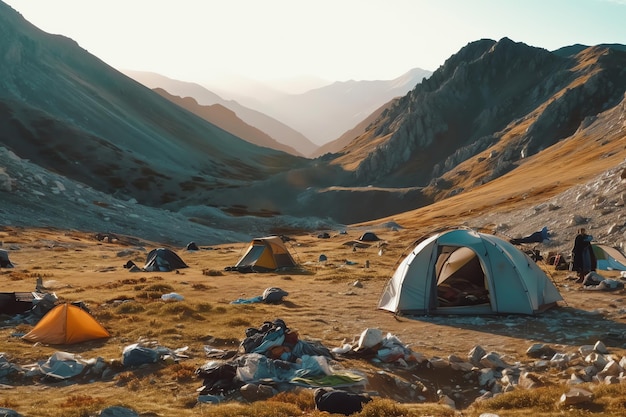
(66,324)
(265,254)
(466,272)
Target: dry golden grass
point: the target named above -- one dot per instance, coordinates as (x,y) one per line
(323,304)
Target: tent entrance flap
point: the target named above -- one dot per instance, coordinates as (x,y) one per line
(252,256)
(461,280)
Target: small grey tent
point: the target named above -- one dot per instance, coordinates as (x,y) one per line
(163,260)
(608,258)
(4,259)
(369,237)
(466,272)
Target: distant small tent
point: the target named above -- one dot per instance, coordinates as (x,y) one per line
(66,324)
(265,254)
(466,272)
(608,258)
(369,237)
(4,259)
(163,260)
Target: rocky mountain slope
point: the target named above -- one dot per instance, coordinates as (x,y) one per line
(498,127)
(69,112)
(344,140)
(581,181)
(35,197)
(503,97)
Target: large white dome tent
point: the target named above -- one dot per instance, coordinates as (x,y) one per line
(463,271)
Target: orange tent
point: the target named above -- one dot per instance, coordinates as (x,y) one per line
(66,324)
(266,254)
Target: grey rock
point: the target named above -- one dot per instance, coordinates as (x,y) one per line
(600,348)
(118,412)
(540,350)
(575,396)
(529,380)
(486,377)
(610,369)
(210,399)
(7,412)
(254,392)
(476,354)
(493,360)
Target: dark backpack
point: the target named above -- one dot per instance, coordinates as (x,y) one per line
(218,378)
(339,402)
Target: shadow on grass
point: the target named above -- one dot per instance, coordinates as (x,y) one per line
(559,325)
(289,304)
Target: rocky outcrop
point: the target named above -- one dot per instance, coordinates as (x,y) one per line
(479,95)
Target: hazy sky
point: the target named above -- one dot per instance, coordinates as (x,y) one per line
(337,40)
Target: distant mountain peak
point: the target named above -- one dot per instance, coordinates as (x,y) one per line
(80,135)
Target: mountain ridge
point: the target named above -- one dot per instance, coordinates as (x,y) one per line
(477,128)
(111,132)
(479,120)
(335,108)
(325,113)
(227,119)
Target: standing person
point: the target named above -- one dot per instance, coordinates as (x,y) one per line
(583,258)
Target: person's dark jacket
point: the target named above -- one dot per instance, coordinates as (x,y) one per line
(583,258)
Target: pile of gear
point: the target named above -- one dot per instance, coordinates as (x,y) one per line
(273,358)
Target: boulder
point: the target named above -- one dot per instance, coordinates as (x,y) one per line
(117,412)
(575,396)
